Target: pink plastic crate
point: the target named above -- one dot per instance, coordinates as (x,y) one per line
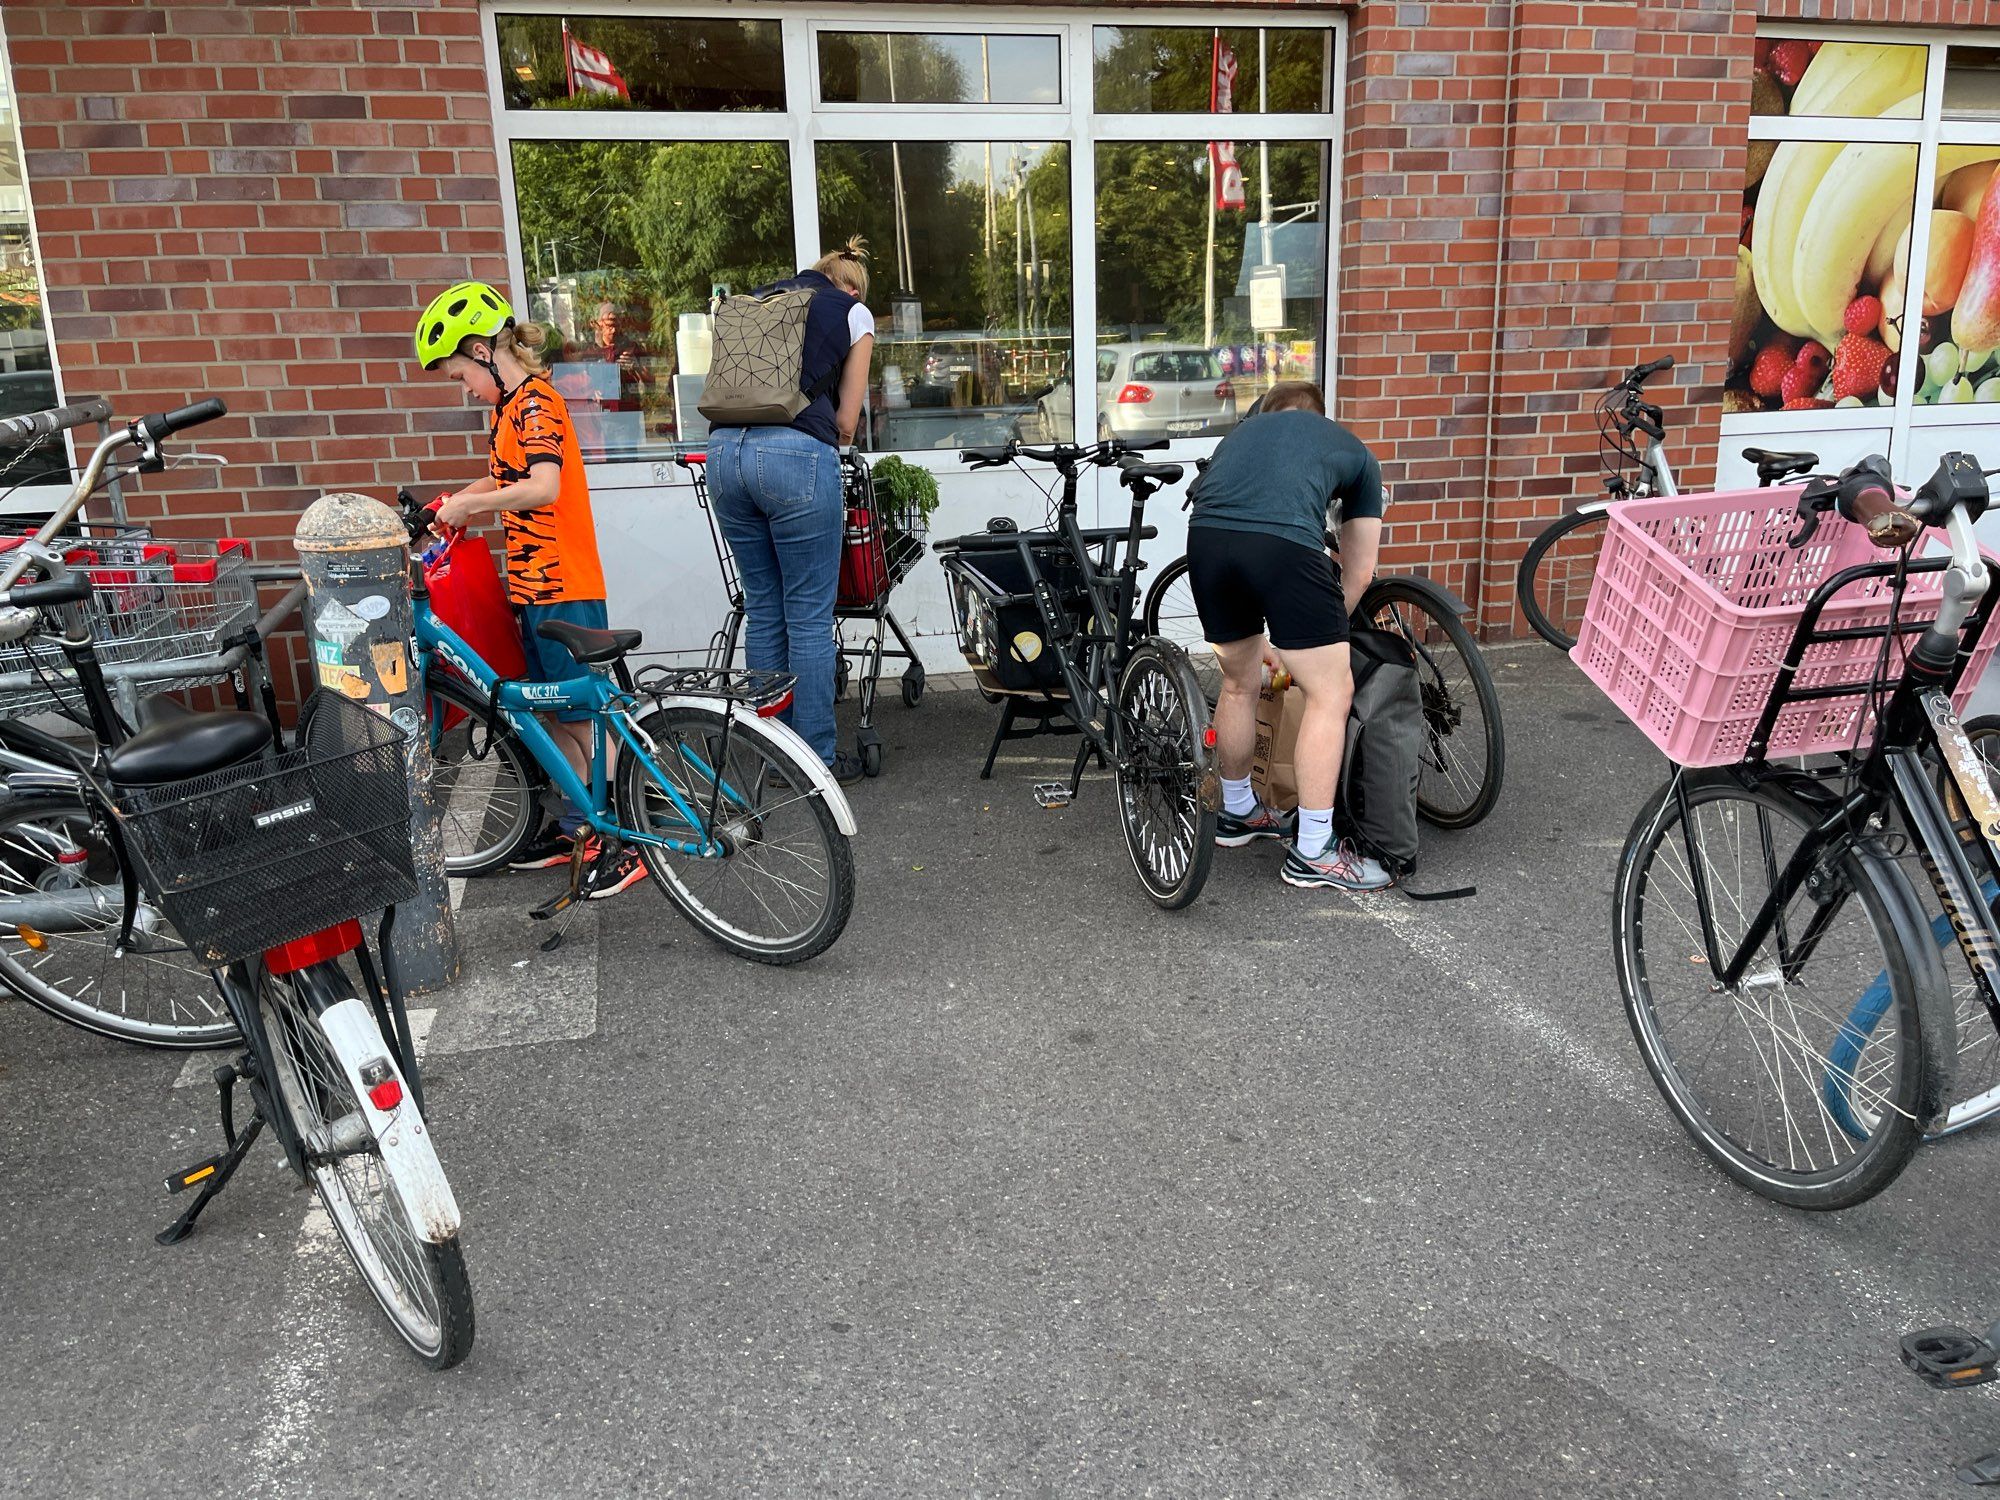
(1694,604)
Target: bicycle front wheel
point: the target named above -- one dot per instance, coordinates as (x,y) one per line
(1554,581)
(488,786)
(1808,1082)
(62,902)
(1170,614)
(416,1272)
(1465,753)
(763,869)
(1167,788)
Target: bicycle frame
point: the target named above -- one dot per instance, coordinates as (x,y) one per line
(608,697)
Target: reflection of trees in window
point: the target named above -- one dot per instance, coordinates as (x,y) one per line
(891,68)
(978,233)
(1170,69)
(679,64)
(1152,236)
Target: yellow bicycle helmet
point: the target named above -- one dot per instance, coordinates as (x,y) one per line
(471,309)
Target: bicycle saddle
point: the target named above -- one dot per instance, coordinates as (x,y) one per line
(586,645)
(178,745)
(1773,466)
(1150,473)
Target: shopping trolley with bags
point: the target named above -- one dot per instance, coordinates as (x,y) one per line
(879,546)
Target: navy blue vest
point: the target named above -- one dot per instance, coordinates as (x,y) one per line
(825,352)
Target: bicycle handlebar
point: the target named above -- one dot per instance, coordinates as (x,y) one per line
(73,589)
(1063,455)
(16,430)
(160,424)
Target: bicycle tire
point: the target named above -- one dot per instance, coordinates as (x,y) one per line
(74,975)
(1552,587)
(1445,705)
(686,744)
(478,840)
(1165,714)
(1887,1083)
(1169,613)
(1973,1094)
(398,1260)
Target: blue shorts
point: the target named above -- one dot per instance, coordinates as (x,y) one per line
(550,661)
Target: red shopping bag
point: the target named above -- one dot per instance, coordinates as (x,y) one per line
(467,595)
(864,565)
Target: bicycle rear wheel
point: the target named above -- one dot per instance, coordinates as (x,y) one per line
(777,884)
(1465,752)
(488,786)
(1167,788)
(1554,581)
(62,900)
(1973,1093)
(1170,614)
(416,1272)
(1807,1083)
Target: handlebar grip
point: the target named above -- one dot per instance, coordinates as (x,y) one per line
(1646,371)
(159,424)
(15,430)
(71,590)
(1873,505)
(987,455)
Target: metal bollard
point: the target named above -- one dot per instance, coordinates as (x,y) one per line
(355,554)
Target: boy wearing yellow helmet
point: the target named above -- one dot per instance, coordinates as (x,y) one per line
(534,483)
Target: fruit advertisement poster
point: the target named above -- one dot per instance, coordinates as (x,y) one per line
(1824,279)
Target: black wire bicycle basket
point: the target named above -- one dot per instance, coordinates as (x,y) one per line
(252,856)
(1000,626)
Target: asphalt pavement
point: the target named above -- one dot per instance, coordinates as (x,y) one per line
(1025,1188)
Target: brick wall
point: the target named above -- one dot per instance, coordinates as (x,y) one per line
(246,201)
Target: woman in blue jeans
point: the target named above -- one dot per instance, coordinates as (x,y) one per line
(776,492)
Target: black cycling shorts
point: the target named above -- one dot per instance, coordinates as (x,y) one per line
(1242,579)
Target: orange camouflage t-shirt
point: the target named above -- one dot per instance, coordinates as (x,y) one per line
(551,552)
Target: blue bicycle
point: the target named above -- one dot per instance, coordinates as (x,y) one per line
(735,818)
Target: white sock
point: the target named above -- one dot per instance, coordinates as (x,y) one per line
(1315,831)
(1237,798)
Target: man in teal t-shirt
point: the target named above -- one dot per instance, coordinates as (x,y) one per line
(1257,554)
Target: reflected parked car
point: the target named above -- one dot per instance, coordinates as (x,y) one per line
(1147,391)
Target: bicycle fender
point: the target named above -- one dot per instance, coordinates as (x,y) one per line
(400,1133)
(1435,595)
(824,786)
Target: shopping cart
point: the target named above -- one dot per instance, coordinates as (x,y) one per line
(166,615)
(878,548)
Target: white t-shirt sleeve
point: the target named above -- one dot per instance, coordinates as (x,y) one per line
(860,324)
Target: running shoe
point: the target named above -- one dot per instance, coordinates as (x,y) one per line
(846,768)
(546,850)
(1260,822)
(622,870)
(1341,865)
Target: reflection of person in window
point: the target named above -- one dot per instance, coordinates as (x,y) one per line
(611,344)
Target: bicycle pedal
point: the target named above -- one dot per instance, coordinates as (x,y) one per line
(196,1175)
(1950,1358)
(1052,794)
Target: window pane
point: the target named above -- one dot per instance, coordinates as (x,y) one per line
(1961,329)
(642,62)
(1861,80)
(1972,83)
(970,282)
(1204,302)
(900,67)
(1812,264)
(1155,70)
(623,242)
(27,377)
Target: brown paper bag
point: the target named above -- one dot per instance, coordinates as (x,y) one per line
(1272,775)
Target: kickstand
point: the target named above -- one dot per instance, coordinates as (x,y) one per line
(567,904)
(1982,1472)
(213,1174)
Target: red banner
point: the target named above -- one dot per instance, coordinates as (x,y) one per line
(1223,170)
(590,69)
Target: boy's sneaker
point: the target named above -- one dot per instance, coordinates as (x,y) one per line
(1340,865)
(622,870)
(544,851)
(1232,832)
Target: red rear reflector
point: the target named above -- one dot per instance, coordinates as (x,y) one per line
(1135,395)
(1208,738)
(1226,391)
(386,1095)
(772,710)
(72,856)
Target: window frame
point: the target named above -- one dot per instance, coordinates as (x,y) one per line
(1929,130)
(807,122)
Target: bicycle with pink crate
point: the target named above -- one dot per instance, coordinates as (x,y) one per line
(1779,967)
